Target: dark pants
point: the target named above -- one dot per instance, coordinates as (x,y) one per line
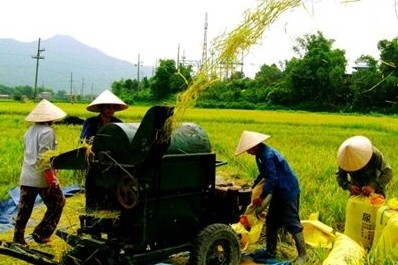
(281,214)
(54,200)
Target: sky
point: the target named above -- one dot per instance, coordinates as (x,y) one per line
(149,30)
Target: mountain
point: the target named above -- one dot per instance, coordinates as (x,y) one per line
(67,64)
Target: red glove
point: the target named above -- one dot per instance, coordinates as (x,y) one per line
(355,190)
(257,201)
(51,179)
(367,190)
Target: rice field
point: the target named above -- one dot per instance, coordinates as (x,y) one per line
(309,141)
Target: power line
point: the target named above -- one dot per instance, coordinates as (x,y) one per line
(37,57)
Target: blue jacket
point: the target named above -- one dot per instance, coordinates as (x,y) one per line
(280,179)
(92,125)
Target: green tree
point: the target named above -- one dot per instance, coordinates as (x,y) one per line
(363,82)
(316,77)
(388,56)
(160,83)
(266,82)
(181,79)
(374,87)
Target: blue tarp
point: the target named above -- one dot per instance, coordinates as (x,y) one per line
(9,207)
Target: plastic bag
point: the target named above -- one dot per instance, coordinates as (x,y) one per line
(249,229)
(316,233)
(345,252)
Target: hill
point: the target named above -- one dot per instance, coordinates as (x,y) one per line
(67,64)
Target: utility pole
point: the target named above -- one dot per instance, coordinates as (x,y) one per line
(138,69)
(37,57)
(204,48)
(82,92)
(70,93)
(178,56)
(139,64)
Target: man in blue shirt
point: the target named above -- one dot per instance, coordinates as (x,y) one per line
(281,194)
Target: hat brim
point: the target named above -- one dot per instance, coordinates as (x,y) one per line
(45,111)
(106,98)
(354,153)
(97,107)
(248,140)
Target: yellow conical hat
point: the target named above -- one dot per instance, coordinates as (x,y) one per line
(248,140)
(106,98)
(354,153)
(45,111)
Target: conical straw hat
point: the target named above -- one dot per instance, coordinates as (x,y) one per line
(45,111)
(354,153)
(248,140)
(106,98)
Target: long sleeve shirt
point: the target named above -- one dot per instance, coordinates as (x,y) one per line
(38,139)
(280,179)
(376,173)
(92,125)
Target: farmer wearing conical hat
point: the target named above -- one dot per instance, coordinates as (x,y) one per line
(281,194)
(362,168)
(106,104)
(37,179)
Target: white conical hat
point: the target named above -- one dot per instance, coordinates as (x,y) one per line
(248,140)
(45,111)
(106,98)
(354,153)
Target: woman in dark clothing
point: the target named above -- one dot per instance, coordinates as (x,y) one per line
(362,167)
(281,193)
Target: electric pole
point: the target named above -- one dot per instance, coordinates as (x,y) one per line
(37,57)
(138,69)
(204,48)
(82,92)
(71,90)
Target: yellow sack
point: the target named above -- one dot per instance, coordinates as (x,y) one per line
(248,229)
(388,241)
(316,233)
(345,252)
(384,214)
(360,218)
(256,191)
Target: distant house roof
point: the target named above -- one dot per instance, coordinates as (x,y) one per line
(361,66)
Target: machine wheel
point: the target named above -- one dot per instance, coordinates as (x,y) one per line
(215,245)
(128,192)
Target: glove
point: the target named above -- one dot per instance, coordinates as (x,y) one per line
(355,190)
(367,190)
(51,179)
(257,201)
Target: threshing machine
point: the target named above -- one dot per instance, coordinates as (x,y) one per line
(160,184)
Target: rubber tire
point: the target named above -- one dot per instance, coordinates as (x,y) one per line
(216,244)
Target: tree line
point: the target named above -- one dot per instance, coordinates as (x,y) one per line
(315,79)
